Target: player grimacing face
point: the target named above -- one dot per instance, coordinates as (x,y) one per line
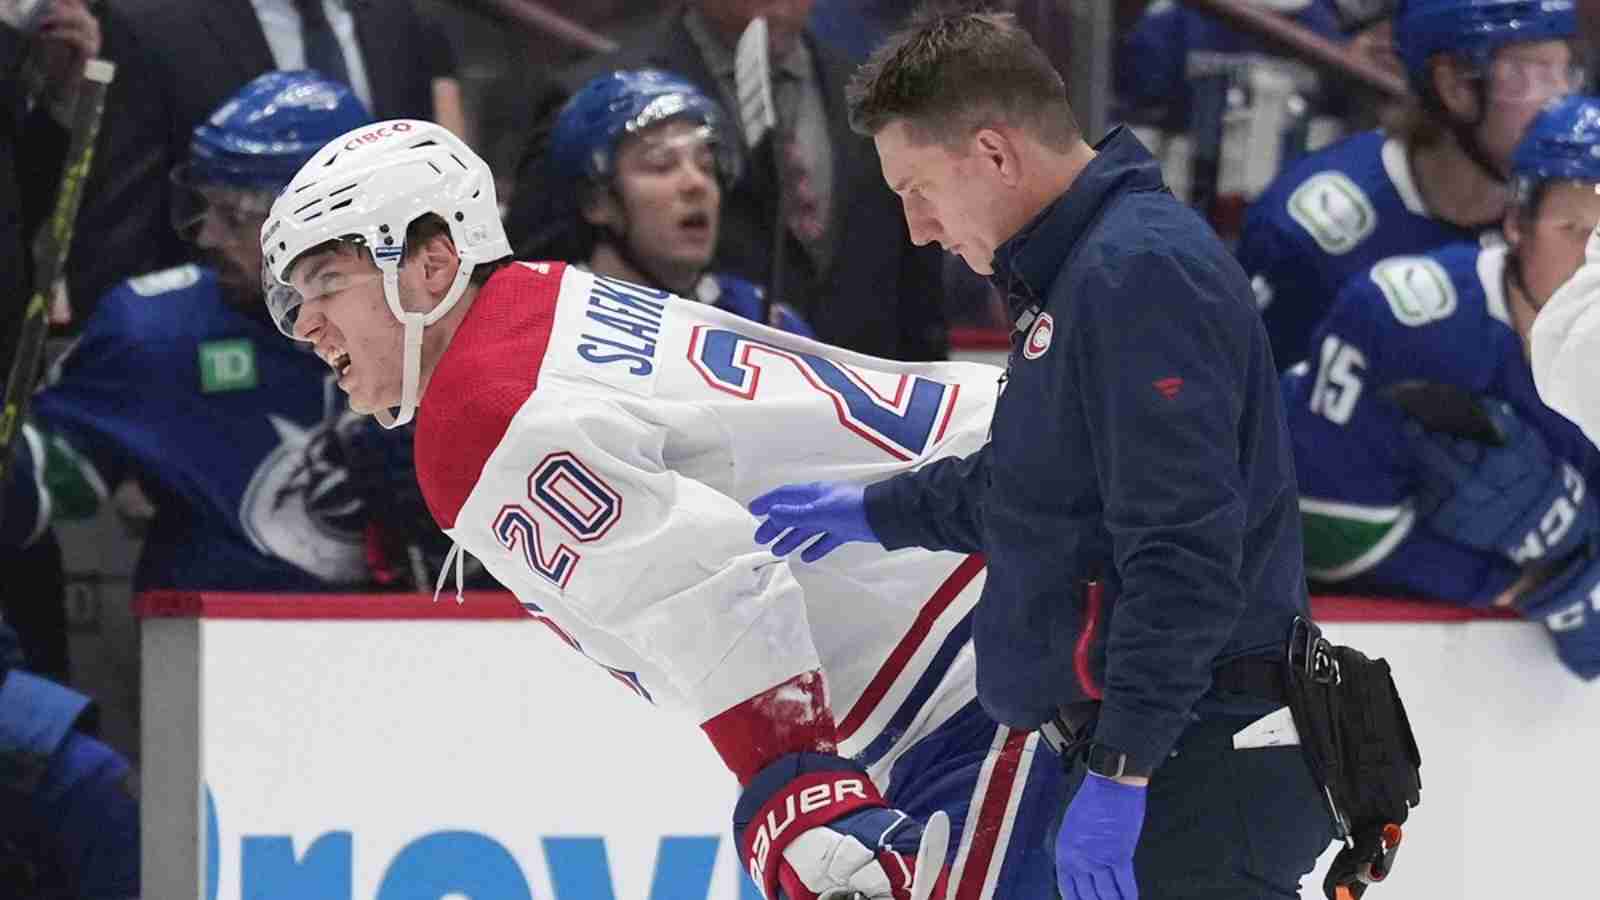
(348,321)
(952,199)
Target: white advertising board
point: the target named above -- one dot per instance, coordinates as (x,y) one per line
(446,758)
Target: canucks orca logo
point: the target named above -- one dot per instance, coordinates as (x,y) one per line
(300,505)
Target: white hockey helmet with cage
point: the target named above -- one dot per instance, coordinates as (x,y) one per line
(366,187)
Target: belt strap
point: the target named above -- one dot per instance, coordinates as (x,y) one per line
(1255,676)
(1260,677)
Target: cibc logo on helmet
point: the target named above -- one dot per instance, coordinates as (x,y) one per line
(377,134)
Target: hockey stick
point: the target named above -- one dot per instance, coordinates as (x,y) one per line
(50,258)
(931,856)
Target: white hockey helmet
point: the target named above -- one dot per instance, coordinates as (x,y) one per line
(366,186)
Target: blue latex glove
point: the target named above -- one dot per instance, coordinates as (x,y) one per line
(1094,849)
(835,510)
(1516,500)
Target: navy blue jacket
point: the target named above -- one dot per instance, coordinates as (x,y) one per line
(1139,440)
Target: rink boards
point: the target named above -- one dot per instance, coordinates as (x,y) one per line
(391,748)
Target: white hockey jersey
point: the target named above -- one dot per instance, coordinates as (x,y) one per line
(1565,345)
(596,443)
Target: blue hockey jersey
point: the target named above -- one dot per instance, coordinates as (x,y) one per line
(231,430)
(1173,43)
(730,293)
(1440,317)
(1326,220)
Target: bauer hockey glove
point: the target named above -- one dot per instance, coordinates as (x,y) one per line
(835,510)
(1094,848)
(1516,499)
(812,826)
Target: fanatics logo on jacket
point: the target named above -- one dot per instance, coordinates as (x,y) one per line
(1044,328)
(1168,387)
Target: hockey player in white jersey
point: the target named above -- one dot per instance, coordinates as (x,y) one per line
(595,444)
(1565,345)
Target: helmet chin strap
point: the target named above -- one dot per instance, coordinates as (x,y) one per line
(411,374)
(415,323)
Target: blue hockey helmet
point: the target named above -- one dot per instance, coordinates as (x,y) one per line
(264,133)
(589,128)
(1474,29)
(1562,143)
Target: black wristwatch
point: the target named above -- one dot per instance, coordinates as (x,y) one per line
(1111,763)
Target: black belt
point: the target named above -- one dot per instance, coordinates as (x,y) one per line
(1260,677)
(1254,676)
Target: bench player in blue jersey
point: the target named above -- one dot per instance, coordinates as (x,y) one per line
(1505,516)
(178,381)
(1482,69)
(644,156)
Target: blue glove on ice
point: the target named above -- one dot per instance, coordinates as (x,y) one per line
(835,510)
(1094,849)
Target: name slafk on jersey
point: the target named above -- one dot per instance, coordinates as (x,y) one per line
(627,318)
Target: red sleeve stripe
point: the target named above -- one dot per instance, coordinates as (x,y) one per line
(901,655)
